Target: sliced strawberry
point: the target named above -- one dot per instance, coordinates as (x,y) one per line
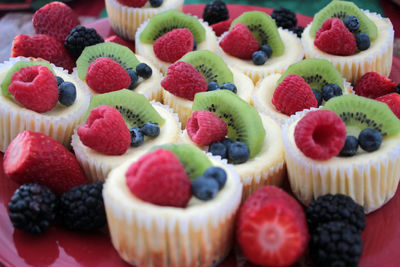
(133,3)
(173,45)
(239,42)
(221,27)
(374,85)
(393,101)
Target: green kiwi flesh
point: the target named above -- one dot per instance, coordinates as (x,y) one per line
(359,113)
(16,67)
(341,10)
(243,121)
(169,20)
(211,66)
(264,29)
(316,72)
(119,53)
(193,159)
(135,108)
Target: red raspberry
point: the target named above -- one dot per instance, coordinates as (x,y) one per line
(159,178)
(184,80)
(105,75)
(36,158)
(334,38)
(293,94)
(42,46)
(240,42)
(393,101)
(55,19)
(320,134)
(205,127)
(118,40)
(35,87)
(105,131)
(173,45)
(374,85)
(133,3)
(272,228)
(221,27)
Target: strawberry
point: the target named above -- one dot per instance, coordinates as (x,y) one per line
(239,42)
(133,3)
(55,19)
(42,46)
(118,40)
(334,38)
(374,85)
(173,45)
(159,178)
(221,27)
(393,101)
(33,157)
(271,228)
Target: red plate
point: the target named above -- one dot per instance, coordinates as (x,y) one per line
(60,247)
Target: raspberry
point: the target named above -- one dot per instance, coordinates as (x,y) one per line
(284,18)
(374,85)
(55,19)
(320,134)
(393,101)
(35,87)
(105,131)
(42,46)
(221,27)
(298,30)
(184,80)
(105,75)
(79,38)
(215,11)
(204,128)
(293,94)
(118,40)
(159,178)
(133,3)
(334,38)
(240,42)
(173,45)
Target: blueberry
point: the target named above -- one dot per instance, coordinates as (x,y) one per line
(318,96)
(212,86)
(227,141)
(397,89)
(151,129)
(218,149)
(352,23)
(218,174)
(331,90)
(66,93)
(230,87)
(134,78)
(156,3)
(205,188)
(267,50)
(238,152)
(194,45)
(370,139)
(137,137)
(363,41)
(59,80)
(350,147)
(259,58)
(143,70)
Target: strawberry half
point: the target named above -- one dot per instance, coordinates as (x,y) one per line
(374,85)
(393,101)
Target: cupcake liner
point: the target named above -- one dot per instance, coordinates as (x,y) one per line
(148,235)
(371,180)
(180,106)
(14,118)
(126,20)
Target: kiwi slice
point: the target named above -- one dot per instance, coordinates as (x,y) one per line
(244,123)
(359,113)
(316,72)
(341,10)
(135,108)
(119,53)
(211,66)
(192,158)
(264,29)
(16,67)
(166,21)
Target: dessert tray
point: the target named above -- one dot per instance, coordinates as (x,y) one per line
(61,247)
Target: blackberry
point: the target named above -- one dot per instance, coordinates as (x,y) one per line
(79,38)
(337,207)
(397,89)
(284,18)
(33,208)
(298,30)
(82,207)
(215,11)
(335,244)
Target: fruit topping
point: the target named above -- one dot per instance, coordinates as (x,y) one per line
(118,40)
(105,75)
(318,96)
(217,174)
(352,23)
(267,50)
(272,228)
(362,40)
(79,38)
(229,86)
(259,58)
(370,139)
(55,19)
(238,152)
(143,70)
(320,134)
(215,11)
(239,42)
(393,102)
(134,79)
(397,89)
(156,3)
(82,208)
(173,45)
(284,17)
(212,86)
(334,38)
(33,208)
(293,94)
(159,178)
(59,80)
(298,30)
(331,90)
(205,188)
(66,93)
(218,149)
(221,27)
(151,129)
(133,3)
(137,137)
(373,85)
(34,157)
(184,80)
(350,147)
